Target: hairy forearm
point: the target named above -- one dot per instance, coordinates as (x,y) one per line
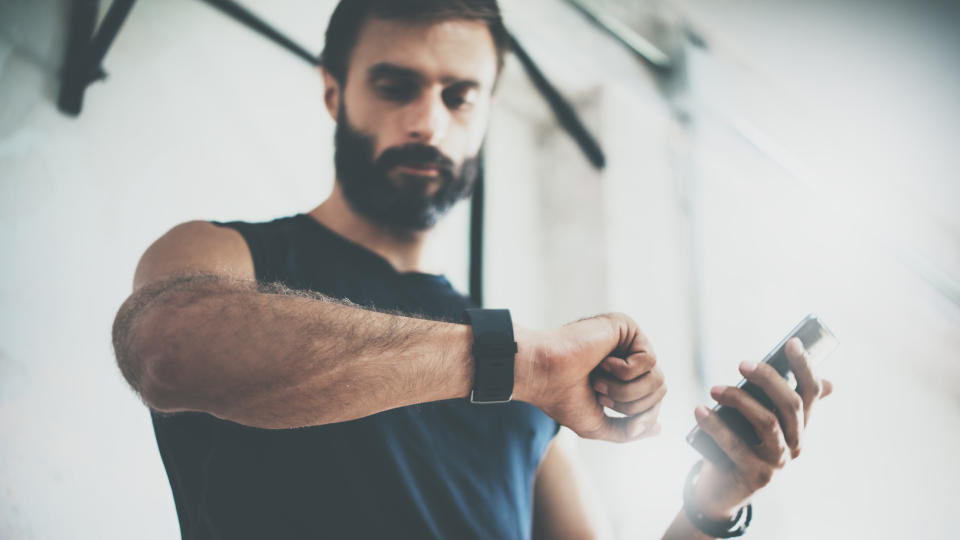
(275,358)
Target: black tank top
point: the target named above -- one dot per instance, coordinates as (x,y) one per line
(435,470)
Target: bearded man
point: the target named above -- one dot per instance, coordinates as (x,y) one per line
(307,379)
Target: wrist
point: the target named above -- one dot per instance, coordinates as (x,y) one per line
(716,522)
(529,359)
(709,502)
(462,362)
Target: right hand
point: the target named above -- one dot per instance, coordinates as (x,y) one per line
(720,491)
(573,372)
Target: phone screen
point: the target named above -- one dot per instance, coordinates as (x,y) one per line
(819,342)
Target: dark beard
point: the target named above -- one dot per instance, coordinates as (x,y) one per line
(370,192)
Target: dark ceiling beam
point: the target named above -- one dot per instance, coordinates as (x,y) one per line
(567,117)
(249,19)
(632,40)
(86,50)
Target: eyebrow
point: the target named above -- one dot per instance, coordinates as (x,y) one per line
(386,70)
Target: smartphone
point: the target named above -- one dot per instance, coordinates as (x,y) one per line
(819,342)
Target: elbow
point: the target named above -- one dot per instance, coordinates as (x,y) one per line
(161,382)
(148,361)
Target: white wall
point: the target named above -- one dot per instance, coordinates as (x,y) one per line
(198,119)
(827,182)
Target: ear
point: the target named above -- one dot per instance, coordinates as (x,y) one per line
(331,93)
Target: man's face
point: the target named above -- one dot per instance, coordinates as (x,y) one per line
(411,118)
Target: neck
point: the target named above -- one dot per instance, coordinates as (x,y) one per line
(402,249)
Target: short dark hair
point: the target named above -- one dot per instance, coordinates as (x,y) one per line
(349,16)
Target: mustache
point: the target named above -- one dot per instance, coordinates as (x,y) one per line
(415,155)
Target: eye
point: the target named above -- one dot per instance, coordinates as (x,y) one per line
(459,97)
(400,92)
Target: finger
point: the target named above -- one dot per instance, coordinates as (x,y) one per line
(625,428)
(639,388)
(808,386)
(631,367)
(789,405)
(632,408)
(631,337)
(640,426)
(772,447)
(827,388)
(751,467)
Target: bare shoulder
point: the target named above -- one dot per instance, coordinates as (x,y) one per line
(195,246)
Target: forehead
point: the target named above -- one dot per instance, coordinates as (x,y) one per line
(442,50)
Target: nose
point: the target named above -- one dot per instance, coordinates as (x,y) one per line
(427,119)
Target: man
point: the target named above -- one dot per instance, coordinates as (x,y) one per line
(293,398)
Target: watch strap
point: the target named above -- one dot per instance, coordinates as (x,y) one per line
(494,350)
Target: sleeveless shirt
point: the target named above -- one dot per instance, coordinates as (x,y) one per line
(445,469)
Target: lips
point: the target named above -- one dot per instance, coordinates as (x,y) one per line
(421,169)
(416,160)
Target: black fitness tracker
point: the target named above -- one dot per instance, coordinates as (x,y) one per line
(493,355)
(716,529)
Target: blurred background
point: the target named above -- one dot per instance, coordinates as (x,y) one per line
(795,157)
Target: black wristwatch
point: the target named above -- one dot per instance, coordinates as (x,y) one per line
(716,529)
(493,355)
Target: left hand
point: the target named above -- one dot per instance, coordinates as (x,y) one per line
(721,492)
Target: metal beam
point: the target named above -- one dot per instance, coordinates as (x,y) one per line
(647,51)
(566,115)
(85,53)
(476,237)
(253,22)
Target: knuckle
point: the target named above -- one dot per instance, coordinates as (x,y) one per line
(762,476)
(765,371)
(769,422)
(781,452)
(730,395)
(796,402)
(650,360)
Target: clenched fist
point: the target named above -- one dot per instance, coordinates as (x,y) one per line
(573,372)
